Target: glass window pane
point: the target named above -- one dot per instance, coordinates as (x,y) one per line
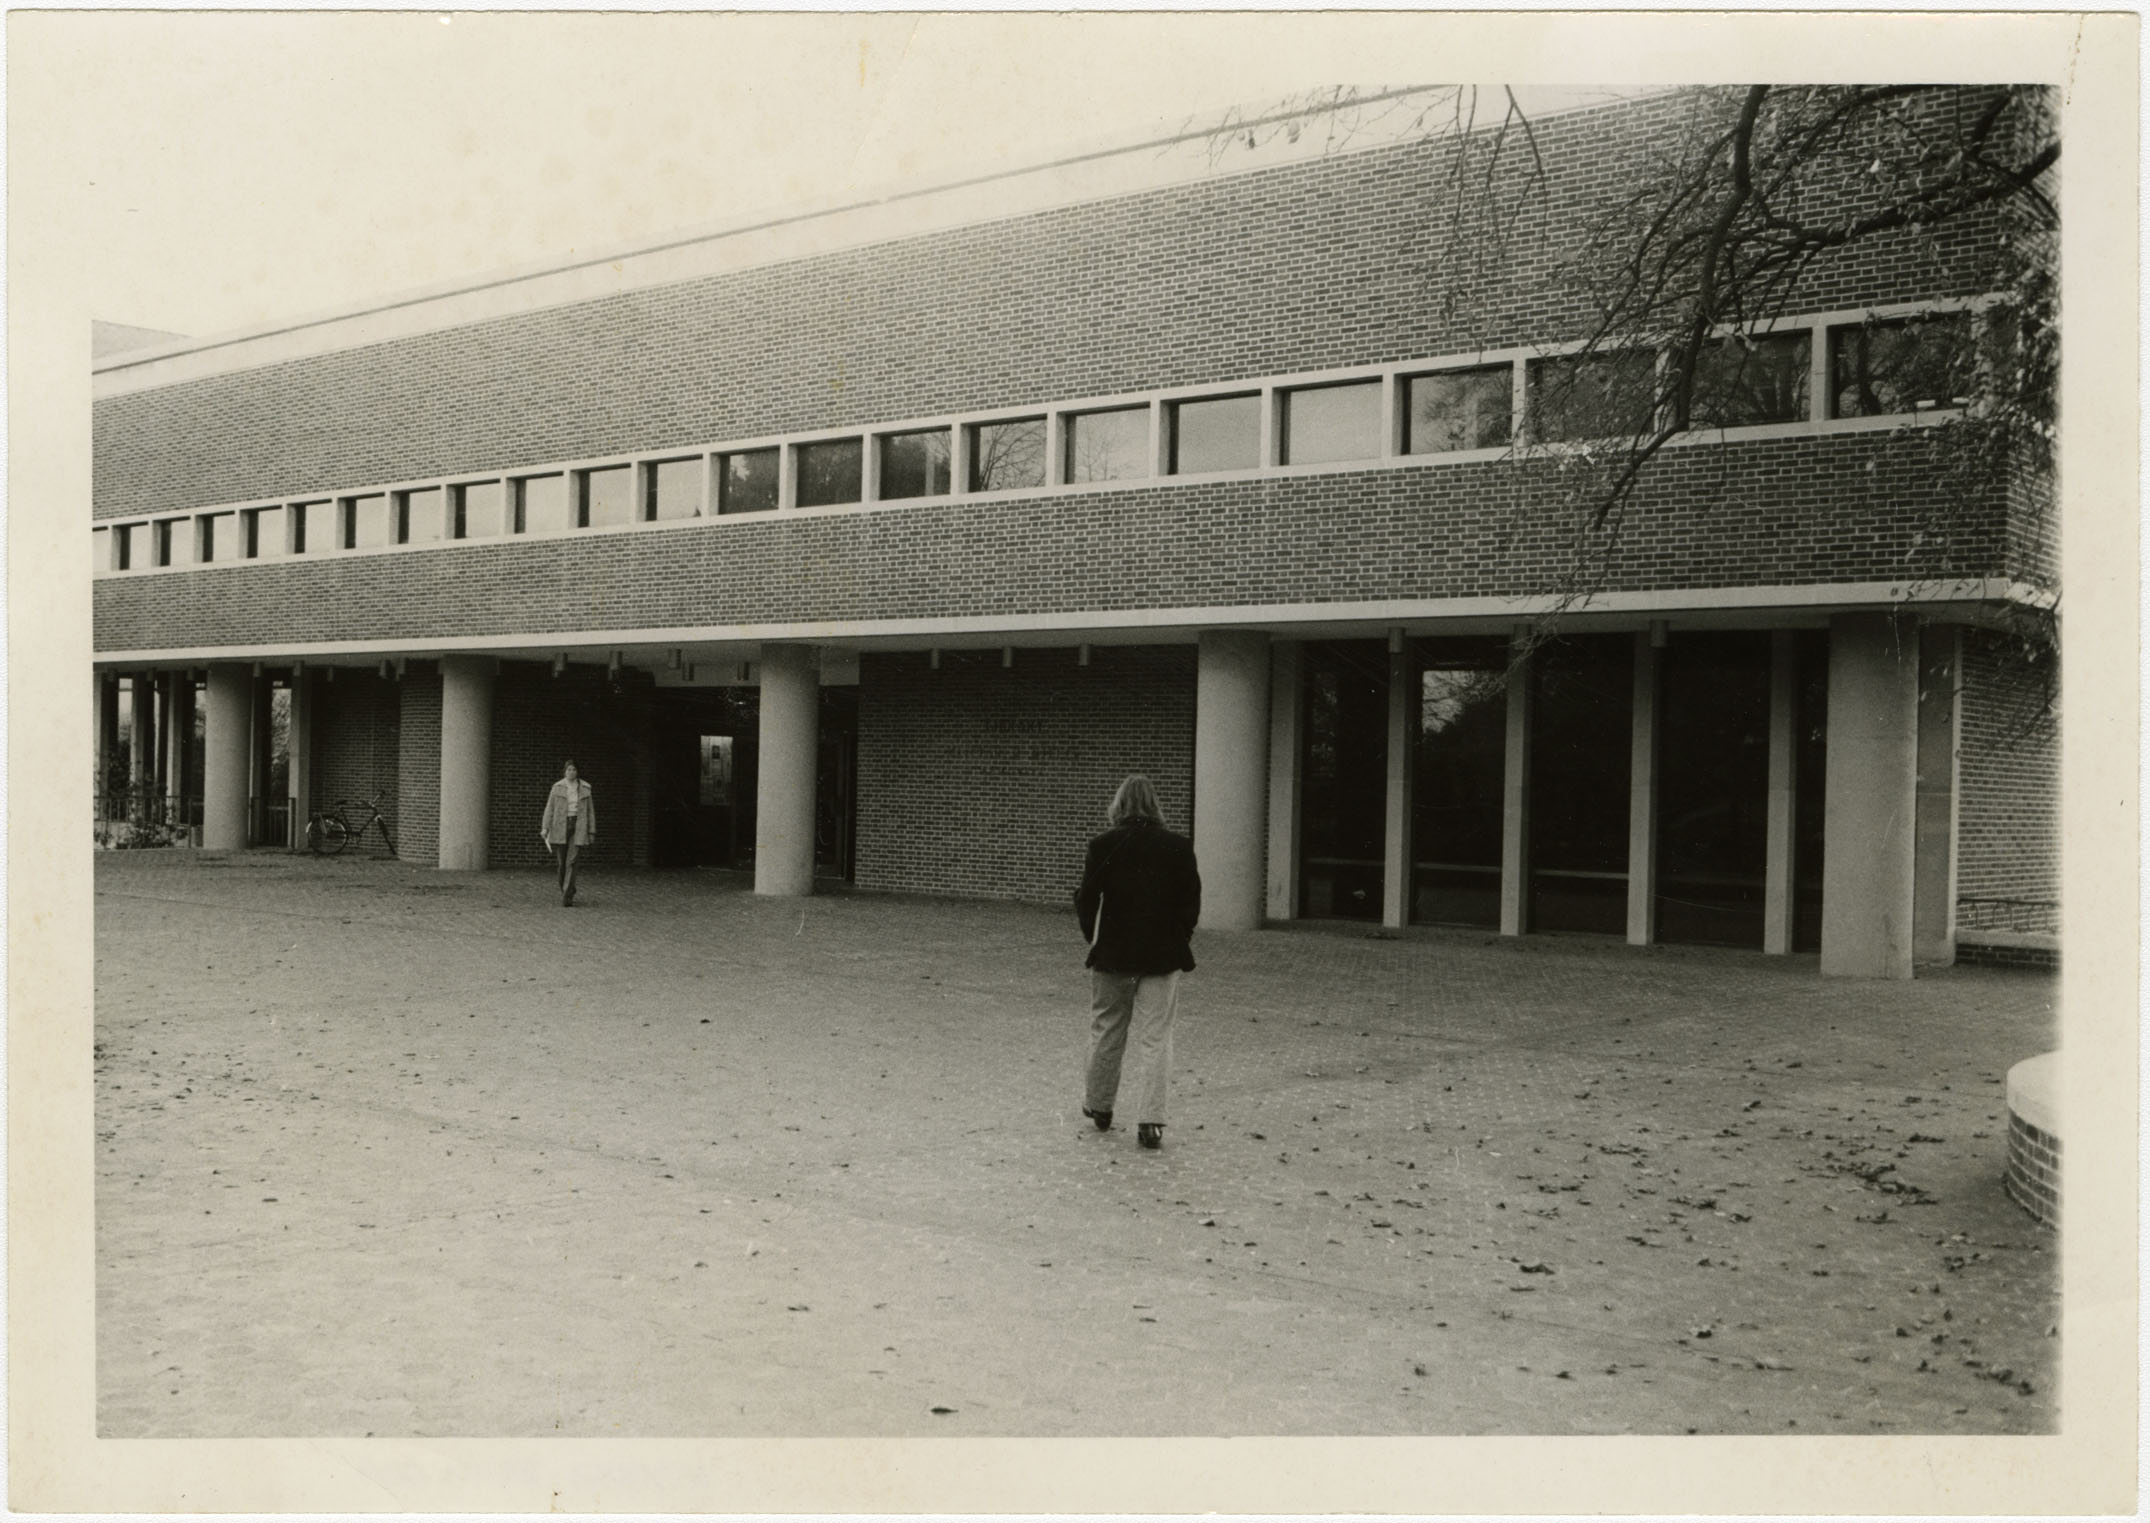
(1743,381)
(1332,423)
(748,481)
(480,510)
(1006,456)
(914,465)
(675,489)
(423,521)
(1459,763)
(830,472)
(163,528)
(1596,396)
(1910,366)
(1713,788)
(1581,746)
(1343,772)
(1459,409)
(124,542)
(1108,446)
(1222,434)
(541,505)
(608,497)
(215,530)
(372,524)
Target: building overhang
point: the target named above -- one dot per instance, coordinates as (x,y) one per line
(1973,600)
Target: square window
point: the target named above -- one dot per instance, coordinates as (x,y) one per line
(605,497)
(480,510)
(830,472)
(747,482)
(420,519)
(1459,409)
(1332,423)
(914,464)
(267,533)
(368,524)
(674,488)
(1216,434)
(1905,365)
(1593,396)
(1741,381)
(1108,446)
(312,530)
(541,505)
(1005,457)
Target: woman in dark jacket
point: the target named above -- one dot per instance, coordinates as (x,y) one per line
(1140,897)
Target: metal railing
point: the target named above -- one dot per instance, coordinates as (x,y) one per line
(130,818)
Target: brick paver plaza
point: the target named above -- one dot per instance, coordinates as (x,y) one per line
(384,1150)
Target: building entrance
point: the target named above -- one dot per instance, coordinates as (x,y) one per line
(704,773)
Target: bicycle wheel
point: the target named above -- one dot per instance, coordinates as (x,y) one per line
(335,834)
(314,835)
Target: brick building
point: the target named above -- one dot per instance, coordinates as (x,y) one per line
(877,543)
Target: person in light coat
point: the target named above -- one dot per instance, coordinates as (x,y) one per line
(1140,897)
(570,823)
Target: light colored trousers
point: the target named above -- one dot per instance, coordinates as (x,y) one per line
(1131,1021)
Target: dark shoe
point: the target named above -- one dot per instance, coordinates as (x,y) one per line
(1151,1134)
(1102,1118)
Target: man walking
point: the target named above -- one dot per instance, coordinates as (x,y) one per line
(570,824)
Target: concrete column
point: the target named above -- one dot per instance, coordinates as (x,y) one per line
(226,731)
(1286,714)
(1515,793)
(141,731)
(1231,776)
(1933,915)
(466,761)
(1779,862)
(299,778)
(1642,795)
(1869,833)
(784,791)
(1397,876)
(168,752)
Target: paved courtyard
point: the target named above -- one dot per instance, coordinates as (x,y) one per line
(389,1151)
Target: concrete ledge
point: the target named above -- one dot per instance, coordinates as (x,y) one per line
(2008,949)
(2033,1175)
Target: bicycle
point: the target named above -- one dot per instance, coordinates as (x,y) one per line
(330,831)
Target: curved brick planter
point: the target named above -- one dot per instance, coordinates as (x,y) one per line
(2033,1178)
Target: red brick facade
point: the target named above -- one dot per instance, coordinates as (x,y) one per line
(981,780)
(1344,260)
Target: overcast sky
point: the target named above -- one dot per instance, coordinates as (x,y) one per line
(237,168)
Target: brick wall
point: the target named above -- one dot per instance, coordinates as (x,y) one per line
(539,721)
(360,745)
(1355,258)
(1848,507)
(2033,1176)
(417,825)
(2008,817)
(979,781)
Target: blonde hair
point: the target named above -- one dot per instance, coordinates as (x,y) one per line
(1136,800)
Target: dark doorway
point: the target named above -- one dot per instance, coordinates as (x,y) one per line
(702,751)
(835,785)
(1343,779)
(1810,778)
